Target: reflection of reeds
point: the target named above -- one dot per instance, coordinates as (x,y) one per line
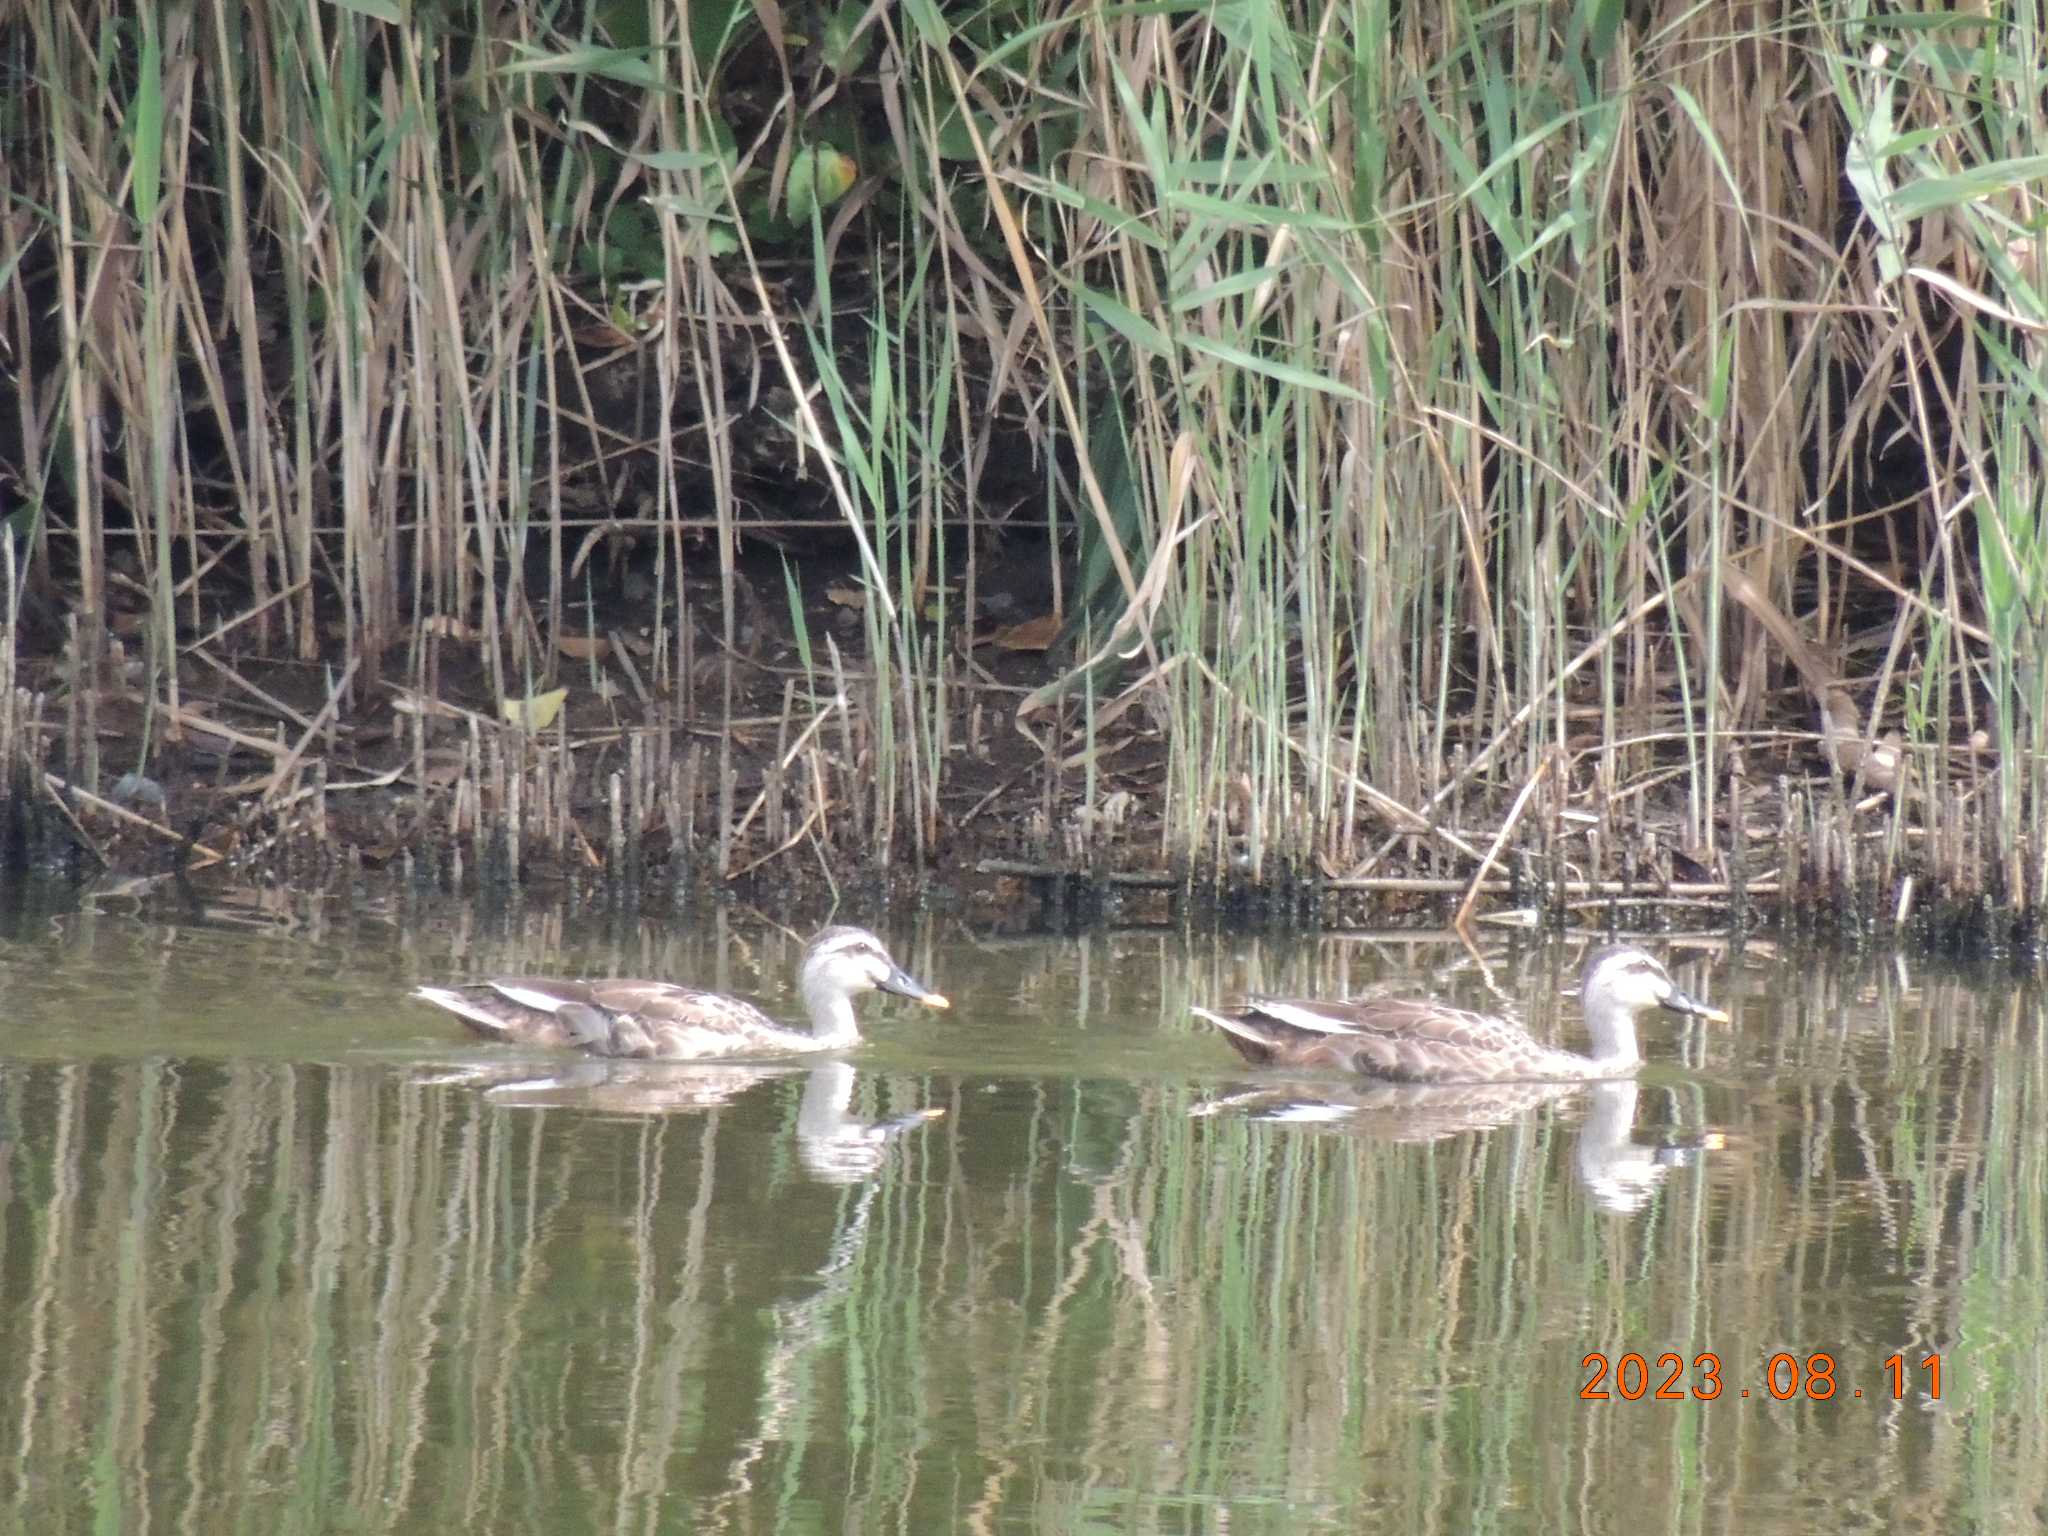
(1408,390)
(271,1295)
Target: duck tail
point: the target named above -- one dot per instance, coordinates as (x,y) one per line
(1248,1040)
(472,1010)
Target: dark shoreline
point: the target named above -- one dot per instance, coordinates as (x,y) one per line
(45,867)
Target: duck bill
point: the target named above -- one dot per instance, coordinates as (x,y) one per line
(1685,1002)
(903,984)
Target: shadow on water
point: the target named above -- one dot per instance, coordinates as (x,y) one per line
(280,1251)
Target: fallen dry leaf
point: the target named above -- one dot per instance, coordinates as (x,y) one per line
(1030,635)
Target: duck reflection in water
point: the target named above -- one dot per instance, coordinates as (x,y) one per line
(1620,1173)
(834,1145)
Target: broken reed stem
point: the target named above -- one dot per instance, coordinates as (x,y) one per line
(1551,684)
(788,843)
(854,801)
(615,822)
(57,788)
(1507,829)
(291,759)
(200,855)
(775,825)
(773,779)
(727,772)
(636,804)
(512,805)
(688,792)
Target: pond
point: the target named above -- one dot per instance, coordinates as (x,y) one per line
(282,1250)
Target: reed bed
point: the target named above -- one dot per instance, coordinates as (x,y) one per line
(1559,448)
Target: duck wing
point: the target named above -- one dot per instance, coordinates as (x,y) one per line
(1266,1041)
(1298,1034)
(1401,1040)
(608,1017)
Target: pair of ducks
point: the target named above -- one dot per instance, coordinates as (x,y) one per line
(1390,1039)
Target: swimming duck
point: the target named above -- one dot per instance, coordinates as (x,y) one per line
(659,1019)
(1409,1041)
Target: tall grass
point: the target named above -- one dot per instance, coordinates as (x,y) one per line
(1403,383)
(1967,194)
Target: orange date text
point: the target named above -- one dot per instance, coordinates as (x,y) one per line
(1670,1377)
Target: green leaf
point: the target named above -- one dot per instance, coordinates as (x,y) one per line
(677,160)
(1244,211)
(1284,373)
(686,207)
(146,124)
(713,26)
(954,140)
(625,23)
(818,177)
(1127,322)
(1602,20)
(625,65)
(931,26)
(1120,222)
(1724,367)
(1229,287)
(845,44)
(1932,192)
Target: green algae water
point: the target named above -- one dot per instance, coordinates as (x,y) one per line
(282,1251)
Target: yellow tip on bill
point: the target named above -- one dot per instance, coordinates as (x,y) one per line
(937,1000)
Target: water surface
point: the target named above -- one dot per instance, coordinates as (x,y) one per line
(281,1251)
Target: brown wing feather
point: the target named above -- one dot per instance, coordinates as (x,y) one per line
(1405,1016)
(663,1002)
(1401,1040)
(607,1017)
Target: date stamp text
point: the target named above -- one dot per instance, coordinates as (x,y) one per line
(1632,1377)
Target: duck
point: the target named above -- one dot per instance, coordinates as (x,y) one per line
(1405,1040)
(664,1021)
